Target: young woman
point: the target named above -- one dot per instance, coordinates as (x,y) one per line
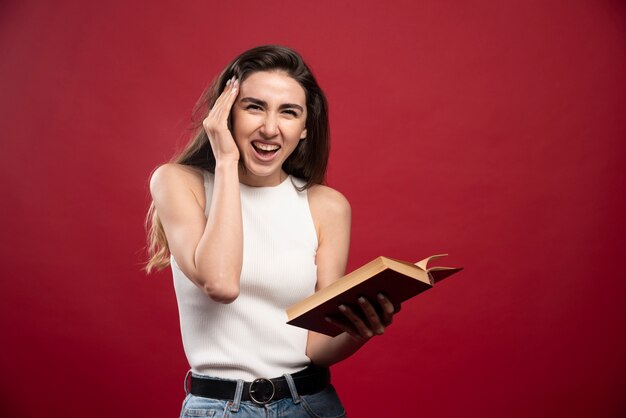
(249,229)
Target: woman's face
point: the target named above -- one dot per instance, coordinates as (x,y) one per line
(269,118)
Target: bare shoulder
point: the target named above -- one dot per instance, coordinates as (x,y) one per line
(332,217)
(173,178)
(175,173)
(327,204)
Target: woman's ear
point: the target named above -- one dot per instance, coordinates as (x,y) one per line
(303,134)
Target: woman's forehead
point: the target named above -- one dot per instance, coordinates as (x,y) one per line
(273,87)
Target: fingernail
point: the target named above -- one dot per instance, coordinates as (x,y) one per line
(380,296)
(327,319)
(343,308)
(361,299)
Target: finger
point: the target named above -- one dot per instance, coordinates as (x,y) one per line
(345,328)
(224,96)
(372,316)
(222,106)
(234,91)
(356,321)
(387,308)
(227,98)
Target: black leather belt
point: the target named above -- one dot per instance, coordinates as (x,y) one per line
(261,391)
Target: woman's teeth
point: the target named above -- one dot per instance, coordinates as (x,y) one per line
(265,147)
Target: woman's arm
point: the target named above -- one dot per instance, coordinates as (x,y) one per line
(332,215)
(208,251)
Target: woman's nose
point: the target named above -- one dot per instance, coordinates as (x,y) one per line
(270,126)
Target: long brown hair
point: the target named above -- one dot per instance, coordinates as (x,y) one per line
(308,161)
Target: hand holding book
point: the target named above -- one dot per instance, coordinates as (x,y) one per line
(370,322)
(396,280)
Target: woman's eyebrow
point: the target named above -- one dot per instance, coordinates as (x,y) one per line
(263,103)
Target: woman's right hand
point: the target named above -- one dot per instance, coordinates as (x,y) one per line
(216,124)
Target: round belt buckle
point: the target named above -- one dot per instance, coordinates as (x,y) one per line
(262,391)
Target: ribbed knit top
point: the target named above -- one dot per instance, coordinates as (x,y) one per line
(249,338)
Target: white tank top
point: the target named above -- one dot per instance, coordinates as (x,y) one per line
(249,338)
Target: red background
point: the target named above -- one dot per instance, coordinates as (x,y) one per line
(487,129)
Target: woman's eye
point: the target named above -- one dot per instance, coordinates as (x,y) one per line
(260,108)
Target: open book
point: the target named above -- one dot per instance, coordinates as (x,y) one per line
(398,280)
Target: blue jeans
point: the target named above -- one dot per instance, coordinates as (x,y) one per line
(324,404)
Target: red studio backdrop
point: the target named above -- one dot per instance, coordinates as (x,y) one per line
(494,131)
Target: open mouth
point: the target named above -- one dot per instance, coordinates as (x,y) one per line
(265,150)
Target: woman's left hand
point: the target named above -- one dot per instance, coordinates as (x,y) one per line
(374,324)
